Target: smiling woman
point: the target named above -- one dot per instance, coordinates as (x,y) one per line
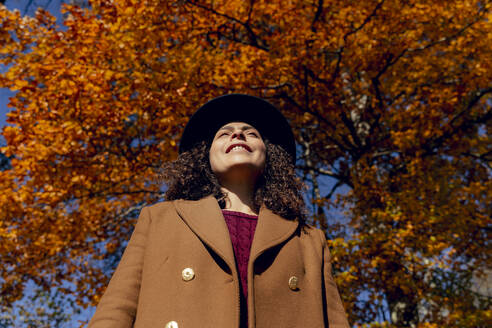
(230,246)
(237,144)
(237,158)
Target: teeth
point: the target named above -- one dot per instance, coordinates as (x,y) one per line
(237,147)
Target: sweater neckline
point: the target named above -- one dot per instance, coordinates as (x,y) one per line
(240,214)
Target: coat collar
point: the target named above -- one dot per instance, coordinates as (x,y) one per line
(205,218)
(271,231)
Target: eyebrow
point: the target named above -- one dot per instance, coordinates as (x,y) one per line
(230,128)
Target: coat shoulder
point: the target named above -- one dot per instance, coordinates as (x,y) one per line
(313,234)
(313,239)
(164,207)
(161,208)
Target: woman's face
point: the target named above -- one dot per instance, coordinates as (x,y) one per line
(237,148)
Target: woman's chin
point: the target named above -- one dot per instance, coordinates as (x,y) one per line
(240,170)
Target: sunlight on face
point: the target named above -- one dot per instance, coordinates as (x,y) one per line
(237,146)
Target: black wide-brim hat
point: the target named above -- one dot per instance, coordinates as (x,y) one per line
(255,111)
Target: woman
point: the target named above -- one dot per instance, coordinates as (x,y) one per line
(229,247)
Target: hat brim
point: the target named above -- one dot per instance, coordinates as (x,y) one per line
(258,112)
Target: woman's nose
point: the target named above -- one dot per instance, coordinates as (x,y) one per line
(239,134)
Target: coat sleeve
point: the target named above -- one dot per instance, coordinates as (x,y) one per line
(118,306)
(335,313)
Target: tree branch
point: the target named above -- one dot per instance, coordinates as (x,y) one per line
(253,38)
(364,23)
(450,130)
(317,15)
(284,95)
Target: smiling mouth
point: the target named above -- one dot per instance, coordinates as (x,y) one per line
(238,146)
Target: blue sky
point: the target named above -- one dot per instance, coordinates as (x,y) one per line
(4,99)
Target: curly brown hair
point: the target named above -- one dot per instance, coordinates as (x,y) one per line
(278,188)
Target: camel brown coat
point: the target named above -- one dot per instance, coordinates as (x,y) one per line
(148,290)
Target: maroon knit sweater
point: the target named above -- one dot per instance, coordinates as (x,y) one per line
(241,229)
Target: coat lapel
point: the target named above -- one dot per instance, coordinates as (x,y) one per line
(205,219)
(271,230)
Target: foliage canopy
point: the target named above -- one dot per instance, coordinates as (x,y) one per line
(390,98)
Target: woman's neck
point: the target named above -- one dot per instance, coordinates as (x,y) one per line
(239,198)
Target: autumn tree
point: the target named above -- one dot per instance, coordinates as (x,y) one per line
(390,100)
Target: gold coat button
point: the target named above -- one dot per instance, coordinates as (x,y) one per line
(187,275)
(293,282)
(172,324)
